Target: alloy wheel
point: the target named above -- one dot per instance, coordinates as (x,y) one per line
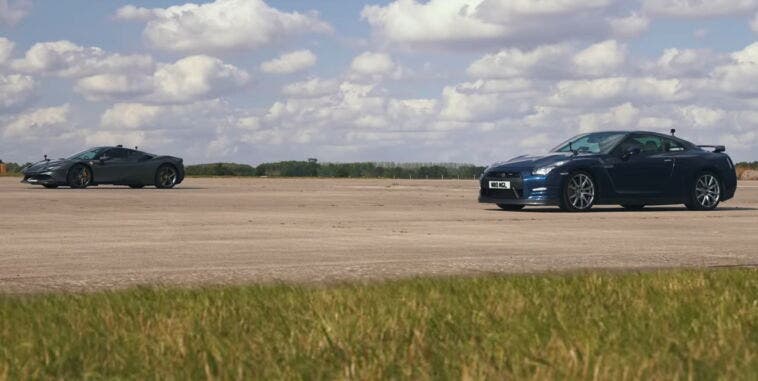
(80,177)
(581,191)
(167,177)
(707,191)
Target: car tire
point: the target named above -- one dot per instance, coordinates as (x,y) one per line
(79,176)
(578,193)
(136,186)
(705,192)
(166,176)
(633,206)
(510,207)
(50,186)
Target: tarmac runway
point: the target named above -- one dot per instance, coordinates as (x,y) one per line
(240,230)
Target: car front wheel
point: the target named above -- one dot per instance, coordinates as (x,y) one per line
(705,193)
(79,176)
(578,193)
(165,177)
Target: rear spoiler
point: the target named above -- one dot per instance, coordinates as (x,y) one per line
(716,149)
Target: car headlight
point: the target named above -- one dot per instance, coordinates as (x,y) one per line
(543,171)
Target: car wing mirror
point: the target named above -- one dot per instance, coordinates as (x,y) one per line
(631,151)
(103,159)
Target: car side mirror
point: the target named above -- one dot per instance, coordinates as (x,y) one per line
(631,151)
(103,159)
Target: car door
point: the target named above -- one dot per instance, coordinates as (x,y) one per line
(646,172)
(114,166)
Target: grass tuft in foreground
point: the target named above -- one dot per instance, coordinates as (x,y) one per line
(662,325)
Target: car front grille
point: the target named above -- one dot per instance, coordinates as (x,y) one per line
(517,185)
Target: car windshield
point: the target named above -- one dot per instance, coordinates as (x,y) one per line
(86,155)
(597,142)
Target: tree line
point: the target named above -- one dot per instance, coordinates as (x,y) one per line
(315,169)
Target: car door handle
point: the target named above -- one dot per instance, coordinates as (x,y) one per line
(668,160)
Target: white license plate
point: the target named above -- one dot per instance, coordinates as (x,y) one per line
(500,185)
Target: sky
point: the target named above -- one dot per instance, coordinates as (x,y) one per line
(467,81)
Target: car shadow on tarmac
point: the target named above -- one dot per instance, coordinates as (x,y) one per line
(112,188)
(622,210)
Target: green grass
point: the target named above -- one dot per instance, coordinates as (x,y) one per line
(659,325)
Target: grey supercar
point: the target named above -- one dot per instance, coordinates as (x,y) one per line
(107,165)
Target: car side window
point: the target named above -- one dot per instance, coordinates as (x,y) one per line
(116,153)
(649,143)
(670,145)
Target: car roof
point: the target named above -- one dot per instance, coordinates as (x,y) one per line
(628,132)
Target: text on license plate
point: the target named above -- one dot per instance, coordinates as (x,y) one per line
(500,185)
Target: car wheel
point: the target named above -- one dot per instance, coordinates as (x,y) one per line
(578,193)
(510,207)
(50,186)
(633,206)
(79,176)
(705,193)
(136,186)
(165,177)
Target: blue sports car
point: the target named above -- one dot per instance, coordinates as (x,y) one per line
(628,168)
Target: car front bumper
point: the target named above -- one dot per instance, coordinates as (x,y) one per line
(44,178)
(526,189)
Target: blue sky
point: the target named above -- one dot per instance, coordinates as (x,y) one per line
(441,80)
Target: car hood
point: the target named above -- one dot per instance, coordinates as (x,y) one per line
(43,165)
(529,162)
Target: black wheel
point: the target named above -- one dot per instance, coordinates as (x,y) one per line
(510,207)
(633,206)
(578,194)
(136,186)
(165,177)
(79,176)
(705,193)
(50,186)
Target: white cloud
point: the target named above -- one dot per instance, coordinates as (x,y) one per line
(220,25)
(15,90)
(629,26)
(130,115)
(369,63)
(698,8)
(290,62)
(600,59)
(35,123)
(196,76)
(675,62)
(471,23)
(13,11)
(6,49)
(602,91)
(187,80)
(739,75)
(624,116)
(66,59)
(543,61)
(314,87)
(700,116)
(487,100)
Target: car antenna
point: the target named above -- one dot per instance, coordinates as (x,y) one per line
(673,131)
(45,157)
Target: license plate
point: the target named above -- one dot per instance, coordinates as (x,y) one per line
(500,185)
